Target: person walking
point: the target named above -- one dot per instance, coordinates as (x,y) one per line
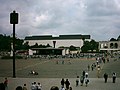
(24,87)
(6,83)
(2,86)
(67,83)
(82,80)
(86,81)
(114,77)
(83,74)
(34,86)
(62,82)
(77,81)
(98,71)
(92,67)
(39,86)
(88,67)
(105,77)
(86,75)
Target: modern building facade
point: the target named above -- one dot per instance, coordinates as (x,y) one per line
(63,41)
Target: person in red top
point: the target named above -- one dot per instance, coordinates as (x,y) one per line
(6,82)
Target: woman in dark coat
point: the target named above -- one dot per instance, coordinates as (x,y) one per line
(105,77)
(67,83)
(62,82)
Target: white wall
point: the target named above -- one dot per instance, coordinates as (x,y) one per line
(65,43)
(68,43)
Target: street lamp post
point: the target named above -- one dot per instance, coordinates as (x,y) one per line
(14,20)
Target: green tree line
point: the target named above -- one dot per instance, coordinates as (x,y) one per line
(90,46)
(6,41)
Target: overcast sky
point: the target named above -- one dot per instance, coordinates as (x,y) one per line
(98,18)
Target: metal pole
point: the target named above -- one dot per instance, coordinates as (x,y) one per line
(14,51)
(14,20)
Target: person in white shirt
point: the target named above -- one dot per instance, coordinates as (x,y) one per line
(86,81)
(114,77)
(39,87)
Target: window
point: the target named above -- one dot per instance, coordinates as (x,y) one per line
(111,45)
(116,45)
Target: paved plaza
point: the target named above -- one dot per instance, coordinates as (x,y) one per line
(50,73)
(95,83)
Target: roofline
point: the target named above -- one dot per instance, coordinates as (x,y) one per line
(60,37)
(47,48)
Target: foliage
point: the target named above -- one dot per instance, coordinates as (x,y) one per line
(25,46)
(113,39)
(19,44)
(72,48)
(40,46)
(6,41)
(90,46)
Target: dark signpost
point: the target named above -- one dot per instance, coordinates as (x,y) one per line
(14,20)
(54,42)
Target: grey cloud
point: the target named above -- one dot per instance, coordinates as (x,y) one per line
(94,17)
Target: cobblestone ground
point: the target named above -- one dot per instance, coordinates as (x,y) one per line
(51,73)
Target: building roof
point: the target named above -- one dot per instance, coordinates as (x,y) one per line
(47,48)
(118,38)
(45,37)
(50,37)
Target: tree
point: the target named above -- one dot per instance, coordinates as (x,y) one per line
(93,45)
(19,44)
(26,46)
(48,45)
(5,43)
(113,39)
(72,48)
(90,46)
(85,47)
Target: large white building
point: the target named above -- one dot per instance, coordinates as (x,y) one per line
(64,41)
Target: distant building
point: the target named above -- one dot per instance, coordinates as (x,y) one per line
(59,44)
(118,38)
(110,46)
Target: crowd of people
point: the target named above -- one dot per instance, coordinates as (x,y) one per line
(72,56)
(65,84)
(81,80)
(113,77)
(34,86)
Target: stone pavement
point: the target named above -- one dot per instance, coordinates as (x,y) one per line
(95,83)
